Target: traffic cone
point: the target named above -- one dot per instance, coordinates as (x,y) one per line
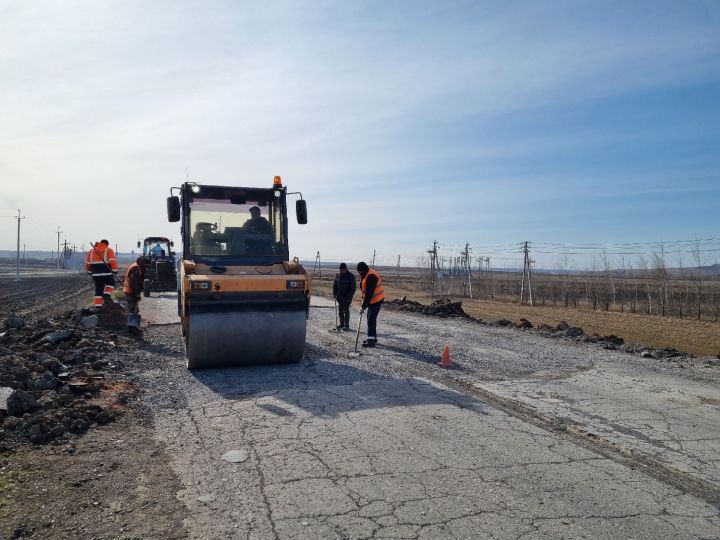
(445,362)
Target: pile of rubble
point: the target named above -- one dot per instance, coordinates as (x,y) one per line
(53,376)
(443,307)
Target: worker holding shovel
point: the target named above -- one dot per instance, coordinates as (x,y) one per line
(344,288)
(373,295)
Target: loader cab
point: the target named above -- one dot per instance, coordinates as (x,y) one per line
(233,226)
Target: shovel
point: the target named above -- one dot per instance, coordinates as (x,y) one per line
(355,353)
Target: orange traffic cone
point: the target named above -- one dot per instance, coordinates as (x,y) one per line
(445,362)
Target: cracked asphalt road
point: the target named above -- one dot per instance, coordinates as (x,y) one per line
(388,445)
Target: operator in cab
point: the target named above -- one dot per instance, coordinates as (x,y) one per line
(257,223)
(260,233)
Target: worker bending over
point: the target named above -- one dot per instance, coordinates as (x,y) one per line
(102,265)
(133,287)
(373,294)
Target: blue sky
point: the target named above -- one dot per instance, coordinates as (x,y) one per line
(401,122)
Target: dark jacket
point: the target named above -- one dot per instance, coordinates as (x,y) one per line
(344,286)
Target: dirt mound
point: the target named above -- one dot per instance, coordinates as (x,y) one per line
(54,382)
(563,329)
(443,307)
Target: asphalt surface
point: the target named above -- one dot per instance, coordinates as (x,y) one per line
(389,445)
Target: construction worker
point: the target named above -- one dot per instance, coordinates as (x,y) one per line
(373,294)
(133,287)
(343,291)
(102,265)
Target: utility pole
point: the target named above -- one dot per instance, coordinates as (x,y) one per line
(58,246)
(433,267)
(24,258)
(373,261)
(465,269)
(65,255)
(397,271)
(527,264)
(19,218)
(490,278)
(316,267)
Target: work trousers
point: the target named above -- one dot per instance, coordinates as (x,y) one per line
(372,314)
(344,313)
(133,303)
(104,286)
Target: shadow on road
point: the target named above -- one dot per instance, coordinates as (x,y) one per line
(327,387)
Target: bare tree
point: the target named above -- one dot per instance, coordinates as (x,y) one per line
(643,265)
(609,286)
(634,305)
(679,292)
(661,277)
(624,283)
(595,279)
(563,265)
(698,257)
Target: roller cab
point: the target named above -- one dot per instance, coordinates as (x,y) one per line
(241,301)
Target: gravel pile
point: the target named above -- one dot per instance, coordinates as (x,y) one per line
(54,380)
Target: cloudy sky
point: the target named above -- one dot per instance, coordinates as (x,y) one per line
(401,122)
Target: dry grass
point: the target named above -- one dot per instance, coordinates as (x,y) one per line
(701,338)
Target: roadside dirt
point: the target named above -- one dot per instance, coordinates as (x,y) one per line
(108,480)
(112,483)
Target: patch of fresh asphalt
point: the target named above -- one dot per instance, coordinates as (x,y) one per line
(381,446)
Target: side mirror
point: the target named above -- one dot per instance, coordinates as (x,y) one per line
(138,244)
(173,209)
(301,211)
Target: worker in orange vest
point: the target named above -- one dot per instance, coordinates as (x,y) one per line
(102,265)
(373,294)
(133,287)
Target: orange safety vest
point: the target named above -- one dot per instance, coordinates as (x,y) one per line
(127,288)
(101,261)
(379,293)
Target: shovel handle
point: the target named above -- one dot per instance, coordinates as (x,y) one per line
(357,336)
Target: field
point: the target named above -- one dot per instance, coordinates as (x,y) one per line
(701,338)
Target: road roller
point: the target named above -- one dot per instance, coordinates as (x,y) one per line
(241,300)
